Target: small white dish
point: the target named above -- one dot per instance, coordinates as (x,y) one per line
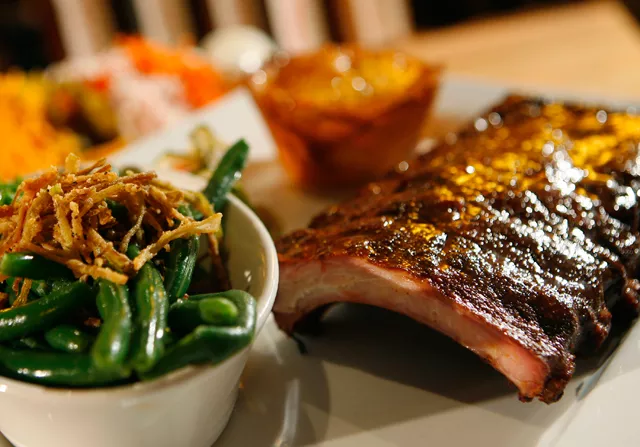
(189,407)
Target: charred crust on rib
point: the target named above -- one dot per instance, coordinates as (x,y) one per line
(529,220)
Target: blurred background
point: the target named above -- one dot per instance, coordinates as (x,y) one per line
(101,73)
(34,33)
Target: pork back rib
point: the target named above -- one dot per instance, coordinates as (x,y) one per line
(516,240)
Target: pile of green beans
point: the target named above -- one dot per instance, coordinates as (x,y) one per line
(91,333)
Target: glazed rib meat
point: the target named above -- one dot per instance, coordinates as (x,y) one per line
(516,238)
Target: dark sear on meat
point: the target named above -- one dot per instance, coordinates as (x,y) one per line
(516,240)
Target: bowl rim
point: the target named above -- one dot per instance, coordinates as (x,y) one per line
(175,378)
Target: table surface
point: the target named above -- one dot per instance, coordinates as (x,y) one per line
(591,47)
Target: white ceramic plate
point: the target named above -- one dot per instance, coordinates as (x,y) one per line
(377,379)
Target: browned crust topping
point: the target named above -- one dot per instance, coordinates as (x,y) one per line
(65,217)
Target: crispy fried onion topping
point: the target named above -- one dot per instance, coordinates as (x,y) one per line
(86,219)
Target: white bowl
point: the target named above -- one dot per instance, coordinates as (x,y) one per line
(189,407)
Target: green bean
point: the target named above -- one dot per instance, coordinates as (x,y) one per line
(151,309)
(40,287)
(55,368)
(197,215)
(68,338)
(218,311)
(226,175)
(34,342)
(169,337)
(8,191)
(119,212)
(180,263)
(26,265)
(111,347)
(43,313)
(211,344)
(59,284)
(186,315)
(12,294)
(233,295)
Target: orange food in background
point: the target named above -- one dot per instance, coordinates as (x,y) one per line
(35,128)
(44,118)
(29,141)
(201,82)
(100,83)
(343,116)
